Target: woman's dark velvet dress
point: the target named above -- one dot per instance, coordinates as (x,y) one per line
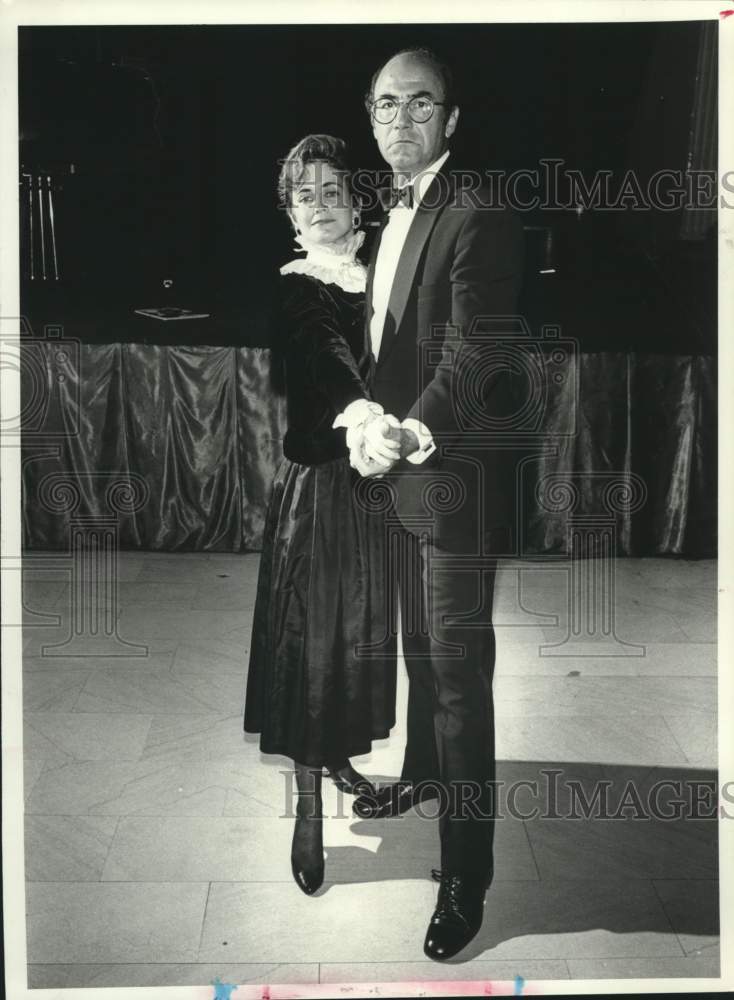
(322,589)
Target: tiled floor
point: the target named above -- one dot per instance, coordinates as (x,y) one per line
(156,849)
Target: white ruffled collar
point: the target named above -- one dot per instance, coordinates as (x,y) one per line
(332,263)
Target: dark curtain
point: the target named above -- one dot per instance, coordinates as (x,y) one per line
(177,447)
(703,134)
(177,444)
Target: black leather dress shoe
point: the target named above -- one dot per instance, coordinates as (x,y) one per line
(393,800)
(457,917)
(351,782)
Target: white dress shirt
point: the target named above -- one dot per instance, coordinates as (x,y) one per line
(359,412)
(388,255)
(391,246)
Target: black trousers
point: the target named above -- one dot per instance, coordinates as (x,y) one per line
(449,649)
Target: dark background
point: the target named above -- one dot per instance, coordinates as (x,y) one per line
(174,134)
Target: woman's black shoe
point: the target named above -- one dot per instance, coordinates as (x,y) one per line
(350,781)
(307,854)
(393,800)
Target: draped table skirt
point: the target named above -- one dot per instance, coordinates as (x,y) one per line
(177,447)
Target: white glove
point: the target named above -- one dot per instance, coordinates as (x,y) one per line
(375,443)
(365,466)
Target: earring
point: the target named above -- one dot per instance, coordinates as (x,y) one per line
(355,220)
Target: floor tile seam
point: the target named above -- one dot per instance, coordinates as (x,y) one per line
(661,903)
(137,964)
(686,630)
(614,676)
(532,850)
(499,672)
(635,603)
(143,815)
(281,881)
(110,849)
(288,881)
(203,920)
(700,952)
(252,798)
(676,740)
(29,723)
(122,711)
(174,680)
(576,711)
(88,882)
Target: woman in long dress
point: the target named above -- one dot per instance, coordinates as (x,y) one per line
(321,680)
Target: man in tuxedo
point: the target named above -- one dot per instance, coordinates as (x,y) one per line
(441,264)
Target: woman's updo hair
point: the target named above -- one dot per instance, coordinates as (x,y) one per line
(311,149)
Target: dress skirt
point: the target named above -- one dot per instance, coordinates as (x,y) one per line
(322,672)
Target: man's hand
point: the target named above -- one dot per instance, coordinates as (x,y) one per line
(407,438)
(404,437)
(375,445)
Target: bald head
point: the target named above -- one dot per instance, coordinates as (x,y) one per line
(410,146)
(429,58)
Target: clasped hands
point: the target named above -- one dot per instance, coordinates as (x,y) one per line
(378,443)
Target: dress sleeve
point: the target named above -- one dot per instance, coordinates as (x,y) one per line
(314,343)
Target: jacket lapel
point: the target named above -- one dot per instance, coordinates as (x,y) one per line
(368,310)
(420,229)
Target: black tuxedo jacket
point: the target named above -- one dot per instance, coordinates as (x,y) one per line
(461,263)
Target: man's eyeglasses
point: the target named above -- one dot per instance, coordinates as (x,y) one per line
(385,109)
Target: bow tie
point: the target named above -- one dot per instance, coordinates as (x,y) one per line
(402,196)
